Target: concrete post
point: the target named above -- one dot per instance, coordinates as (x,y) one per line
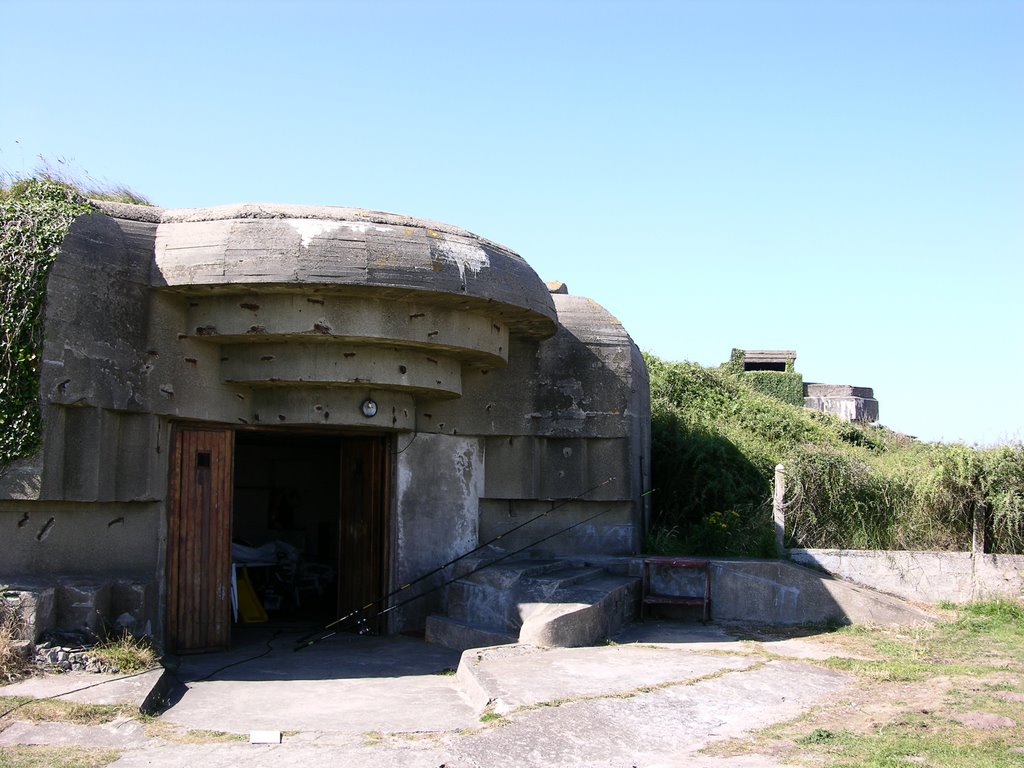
(778,509)
(978,536)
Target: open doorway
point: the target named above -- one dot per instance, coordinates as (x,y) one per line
(268,525)
(285,525)
(309,524)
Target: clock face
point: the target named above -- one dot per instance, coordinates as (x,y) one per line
(369,408)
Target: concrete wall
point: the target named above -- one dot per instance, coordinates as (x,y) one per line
(929,577)
(438,483)
(77,539)
(846,402)
(779,592)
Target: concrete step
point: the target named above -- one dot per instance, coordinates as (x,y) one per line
(582,614)
(564,577)
(461,635)
(547,603)
(508,572)
(484,605)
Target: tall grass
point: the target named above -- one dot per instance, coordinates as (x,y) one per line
(716,443)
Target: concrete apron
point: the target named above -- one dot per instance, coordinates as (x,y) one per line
(347,683)
(660,693)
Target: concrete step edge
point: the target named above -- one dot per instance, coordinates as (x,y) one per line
(462,635)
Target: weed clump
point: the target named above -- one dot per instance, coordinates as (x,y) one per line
(13,664)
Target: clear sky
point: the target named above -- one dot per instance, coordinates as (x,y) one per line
(845,179)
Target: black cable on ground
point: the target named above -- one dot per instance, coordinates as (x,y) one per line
(270,648)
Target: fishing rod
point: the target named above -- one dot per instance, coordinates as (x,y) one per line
(306,642)
(351,614)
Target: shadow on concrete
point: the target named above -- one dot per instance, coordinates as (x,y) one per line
(268,653)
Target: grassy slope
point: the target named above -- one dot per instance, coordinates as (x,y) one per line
(716,443)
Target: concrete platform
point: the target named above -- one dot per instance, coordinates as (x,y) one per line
(654,697)
(346,684)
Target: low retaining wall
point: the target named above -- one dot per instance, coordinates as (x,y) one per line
(781,592)
(91,606)
(928,577)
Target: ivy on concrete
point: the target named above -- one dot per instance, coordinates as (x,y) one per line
(786,386)
(35,215)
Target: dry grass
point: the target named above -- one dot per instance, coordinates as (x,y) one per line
(56,757)
(127,653)
(12,664)
(60,711)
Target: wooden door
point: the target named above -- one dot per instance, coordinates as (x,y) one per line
(199,541)
(364,545)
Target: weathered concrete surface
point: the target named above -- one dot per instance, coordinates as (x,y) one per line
(89,687)
(659,727)
(507,678)
(846,402)
(347,684)
(48,540)
(929,577)
(657,698)
(88,604)
(35,605)
(438,486)
(580,614)
(283,244)
(780,592)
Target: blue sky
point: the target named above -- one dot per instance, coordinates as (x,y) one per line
(845,179)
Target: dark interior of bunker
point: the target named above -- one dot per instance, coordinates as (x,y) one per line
(309,534)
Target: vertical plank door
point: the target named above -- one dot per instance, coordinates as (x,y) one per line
(199,541)
(364,530)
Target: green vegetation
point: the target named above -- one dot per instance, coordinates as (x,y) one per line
(35,214)
(34,218)
(127,653)
(787,386)
(782,385)
(715,444)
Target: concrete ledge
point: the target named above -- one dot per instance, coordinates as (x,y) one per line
(92,688)
(783,593)
(780,592)
(929,577)
(461,635)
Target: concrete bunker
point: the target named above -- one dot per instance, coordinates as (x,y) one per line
(369,395)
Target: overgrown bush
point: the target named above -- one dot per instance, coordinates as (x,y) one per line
(715,443)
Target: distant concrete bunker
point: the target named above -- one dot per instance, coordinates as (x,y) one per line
(313,404)
(853,404)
